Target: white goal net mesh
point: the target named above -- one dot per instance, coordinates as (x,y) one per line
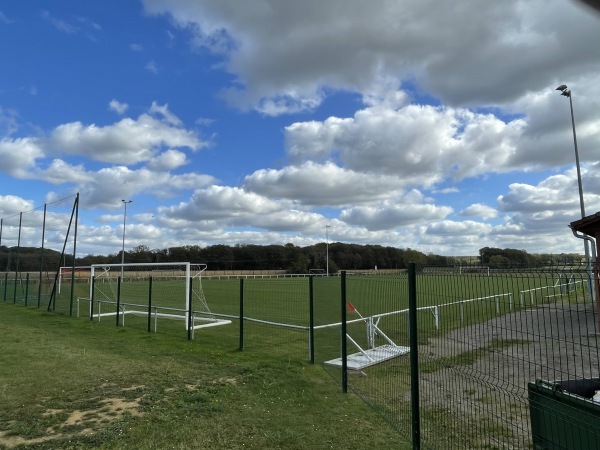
(158,290)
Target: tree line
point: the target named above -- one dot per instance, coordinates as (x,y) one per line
(288,257)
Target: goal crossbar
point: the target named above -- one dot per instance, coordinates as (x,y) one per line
(186,296)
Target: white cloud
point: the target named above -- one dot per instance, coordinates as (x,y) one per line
(420,145)
(60,24)
(321,184)
(128,141)
(168,160)
(152,67)
(19,156)
(395,213)
(479,210)
(11,205)
(284,53)
(118,107)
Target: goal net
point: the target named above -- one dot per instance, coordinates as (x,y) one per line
(156,290)
(78,274)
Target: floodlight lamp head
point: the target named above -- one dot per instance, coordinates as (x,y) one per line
(564,90)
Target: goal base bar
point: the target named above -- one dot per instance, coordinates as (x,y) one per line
(370,357)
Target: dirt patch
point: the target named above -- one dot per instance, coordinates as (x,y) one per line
(79,422)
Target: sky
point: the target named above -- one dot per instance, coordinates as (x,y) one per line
(414,124)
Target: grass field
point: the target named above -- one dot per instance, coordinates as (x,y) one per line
(74,384)
(70,383)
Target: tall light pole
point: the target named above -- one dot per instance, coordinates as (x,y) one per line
(125,203)
(567,93)
(327,227)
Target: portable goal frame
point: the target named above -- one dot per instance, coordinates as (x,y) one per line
(374,354)
(187,273)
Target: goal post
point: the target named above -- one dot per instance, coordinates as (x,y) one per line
(465,270)
(66,273)
(169,290)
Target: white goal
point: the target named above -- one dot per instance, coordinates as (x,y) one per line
(68,273)
(155,290)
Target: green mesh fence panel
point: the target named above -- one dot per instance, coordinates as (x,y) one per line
(276,316)
(484,338)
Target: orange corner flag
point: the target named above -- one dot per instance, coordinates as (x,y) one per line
(351,307)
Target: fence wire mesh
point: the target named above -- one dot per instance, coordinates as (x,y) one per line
(483,337)
(506,358)
(32,245)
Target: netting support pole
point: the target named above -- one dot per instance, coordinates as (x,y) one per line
(414,356)
(39,299)
(76,207)
(150,304)
(241,314)
(52,300)
(17,264)
(344,333)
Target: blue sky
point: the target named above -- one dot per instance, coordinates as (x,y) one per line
(418,124)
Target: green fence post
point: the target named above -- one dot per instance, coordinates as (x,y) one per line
(344,332)
(5,284)
(414,356)
(26,287)
(241,314)
(118,298)
(149,304)
(311,320)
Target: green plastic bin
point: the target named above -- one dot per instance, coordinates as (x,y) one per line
(563,415)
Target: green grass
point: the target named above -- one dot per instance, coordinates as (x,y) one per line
(70,383)
(273,363)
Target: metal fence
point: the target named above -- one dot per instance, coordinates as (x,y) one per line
(451,358)
(33,246)
(491,354)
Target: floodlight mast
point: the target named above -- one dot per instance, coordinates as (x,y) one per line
(125,203)
(565,91)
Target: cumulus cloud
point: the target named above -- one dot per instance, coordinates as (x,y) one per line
(321,184)
(421,145)
(284,54)
(168,160)
(129,141)
(479,210)
(11,205)
(105,187)
(395,213)
(19,156)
